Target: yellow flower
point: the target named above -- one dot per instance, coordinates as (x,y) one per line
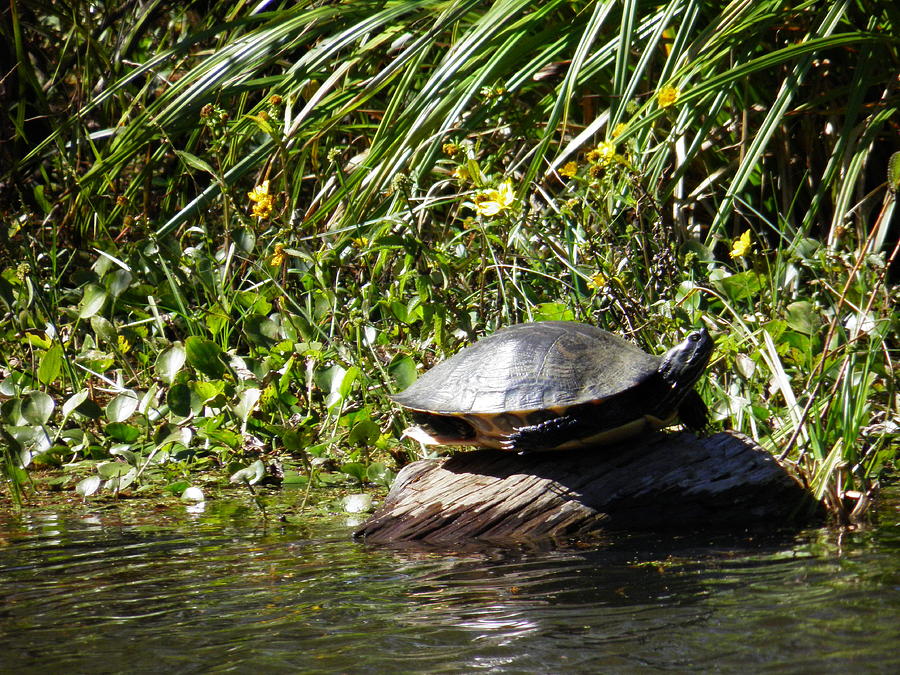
(620,127)
(359,242)
(262,200)
(495,200)
(278,256)
(123,343)
(741,245)
(667,96)
(569,170)
(461,173)
(598,280)
(603,154)
(450,149)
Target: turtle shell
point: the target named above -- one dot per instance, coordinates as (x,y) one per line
(527,374)
(531,366)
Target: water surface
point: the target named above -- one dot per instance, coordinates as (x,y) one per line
(219,591)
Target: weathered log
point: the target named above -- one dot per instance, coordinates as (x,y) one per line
(661,482)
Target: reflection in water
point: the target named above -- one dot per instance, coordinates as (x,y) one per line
(221,594)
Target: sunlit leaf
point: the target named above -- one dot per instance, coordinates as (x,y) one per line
(379,474)
(74,401)
(103,329)
(122,406)
(37,407)
(118,282)
(355,469)
(359,503)
(92,301)
(125,452)
(50,365)
(204,392)
(246,403)
(802,317)
(169,362)
(251,474)
(403,370)
(192,494)
(88,486)
(739,287)
(126,433)
(195,162)
(553,311)
(205,355)
(364,432)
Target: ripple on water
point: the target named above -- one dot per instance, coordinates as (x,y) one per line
(94,594)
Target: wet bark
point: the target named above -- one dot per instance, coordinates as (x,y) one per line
(665,481)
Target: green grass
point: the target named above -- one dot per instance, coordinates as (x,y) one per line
(155,328)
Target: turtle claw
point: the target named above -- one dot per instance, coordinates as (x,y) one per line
(509,445)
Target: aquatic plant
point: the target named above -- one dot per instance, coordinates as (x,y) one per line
(229,234)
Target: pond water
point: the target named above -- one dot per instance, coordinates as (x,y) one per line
(217,591)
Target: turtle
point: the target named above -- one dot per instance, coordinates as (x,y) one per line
(556,385)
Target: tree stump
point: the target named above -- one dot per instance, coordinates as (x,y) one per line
(664,481)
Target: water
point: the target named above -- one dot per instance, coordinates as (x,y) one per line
(217,592)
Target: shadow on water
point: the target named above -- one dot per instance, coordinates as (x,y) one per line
(215,592)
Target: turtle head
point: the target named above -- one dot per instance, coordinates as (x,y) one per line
(682,365)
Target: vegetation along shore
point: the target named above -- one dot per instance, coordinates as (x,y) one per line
(229,234)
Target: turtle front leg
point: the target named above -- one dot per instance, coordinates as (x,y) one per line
(549,434)
(693,412)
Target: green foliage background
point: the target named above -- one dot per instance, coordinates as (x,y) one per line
(154,324)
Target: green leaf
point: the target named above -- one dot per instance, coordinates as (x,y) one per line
(802,317)
(360,503)
(73,402)
(250,475)
(124,433)
(41,199)
(226,437)
(179,400)
(50,365)
(740,286)
(195,162)
(355,469)
(126,453)
(103,329)
(893,174)
(263,123)
(337,381)
(205,356)
(553,311)
(88,486)
(169,363)
(246,403)
(379,474)
(92,301)
(346,384)
(216,320)
(364,433)
(90,409)
(204,392)
(177,488)
(294,441)
(403,371)
(122,406)
(118,282)
(37,408)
